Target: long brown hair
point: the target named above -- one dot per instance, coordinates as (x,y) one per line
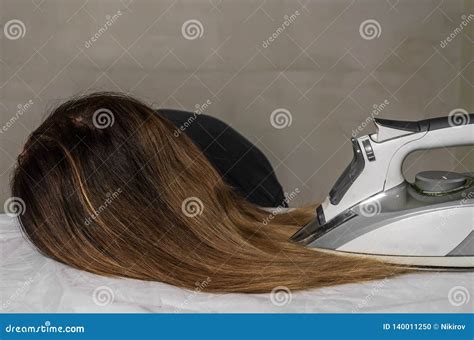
(109,188)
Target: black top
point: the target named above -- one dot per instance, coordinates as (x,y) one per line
(241,164)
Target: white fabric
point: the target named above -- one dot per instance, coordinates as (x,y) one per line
(29,282)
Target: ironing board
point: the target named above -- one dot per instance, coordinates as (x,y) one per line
(30,282)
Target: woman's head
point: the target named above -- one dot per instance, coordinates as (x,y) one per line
(109,188)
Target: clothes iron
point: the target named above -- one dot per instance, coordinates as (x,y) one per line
(373,211)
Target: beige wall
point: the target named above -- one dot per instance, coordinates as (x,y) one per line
(319,68)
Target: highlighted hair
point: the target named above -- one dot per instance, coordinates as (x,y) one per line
(71,171)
